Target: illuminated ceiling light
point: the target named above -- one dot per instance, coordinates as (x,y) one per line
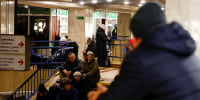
(162,8)
(26,6)
(143,1)
(82,3)
(140,5)
(109,0)
(49,2)
(94,1)
(126,3)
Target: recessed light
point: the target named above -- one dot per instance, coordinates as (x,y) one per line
(82,3)
(140,5)
(94,1)
(162,8)
(126,3)
(109,0)
(143,1)
(26,6)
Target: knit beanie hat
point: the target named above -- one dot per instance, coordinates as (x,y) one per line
(147,19)
(77,74)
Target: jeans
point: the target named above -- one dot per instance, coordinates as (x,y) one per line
(101,61)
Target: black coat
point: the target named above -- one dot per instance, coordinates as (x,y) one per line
(76,66)
(101,40)
(83,87)
(75,49)
(73,94)
(92,47)
(164,67)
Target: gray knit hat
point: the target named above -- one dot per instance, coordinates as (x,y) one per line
(90,53)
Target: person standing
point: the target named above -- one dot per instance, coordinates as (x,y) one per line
(101,50)
(114,32)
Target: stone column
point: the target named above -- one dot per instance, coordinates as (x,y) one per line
(187,13)
(123,22)
(7,16)
(76,27)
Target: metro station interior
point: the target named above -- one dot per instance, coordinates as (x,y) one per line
(39,31)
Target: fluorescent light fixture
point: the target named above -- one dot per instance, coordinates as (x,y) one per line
(109,0)
(140,5)
(162,8)
(82,3)
(126,3)
(94,1)
(26,6)
(143,1)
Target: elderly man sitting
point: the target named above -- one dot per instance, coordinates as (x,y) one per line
(90,69)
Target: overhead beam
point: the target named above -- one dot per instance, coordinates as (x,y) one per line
(117,7)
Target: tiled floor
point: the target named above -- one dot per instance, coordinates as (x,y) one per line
(108,74)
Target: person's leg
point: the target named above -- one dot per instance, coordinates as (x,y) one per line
(101,61)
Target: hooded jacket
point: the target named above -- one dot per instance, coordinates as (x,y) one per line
(163,67)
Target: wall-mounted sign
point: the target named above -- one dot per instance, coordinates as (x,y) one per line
(80,17)
(58,12)
(14,52)
(100,14)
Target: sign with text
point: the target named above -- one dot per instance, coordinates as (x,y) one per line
(14,50)
(12,44)
(12,62)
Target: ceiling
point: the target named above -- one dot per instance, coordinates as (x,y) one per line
(115,5)
(131,2)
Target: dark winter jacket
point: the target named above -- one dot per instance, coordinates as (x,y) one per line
(73,94)
(164,67)
(83,87)
(101,40)
(92,47)
(76,66)
(75,49)
(92,71)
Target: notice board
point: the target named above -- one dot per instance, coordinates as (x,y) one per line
(14,52)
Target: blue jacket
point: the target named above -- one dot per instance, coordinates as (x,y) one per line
(164,67)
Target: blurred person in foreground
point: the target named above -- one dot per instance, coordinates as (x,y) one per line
(162,67)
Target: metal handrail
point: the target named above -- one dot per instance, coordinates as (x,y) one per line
(23,86)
